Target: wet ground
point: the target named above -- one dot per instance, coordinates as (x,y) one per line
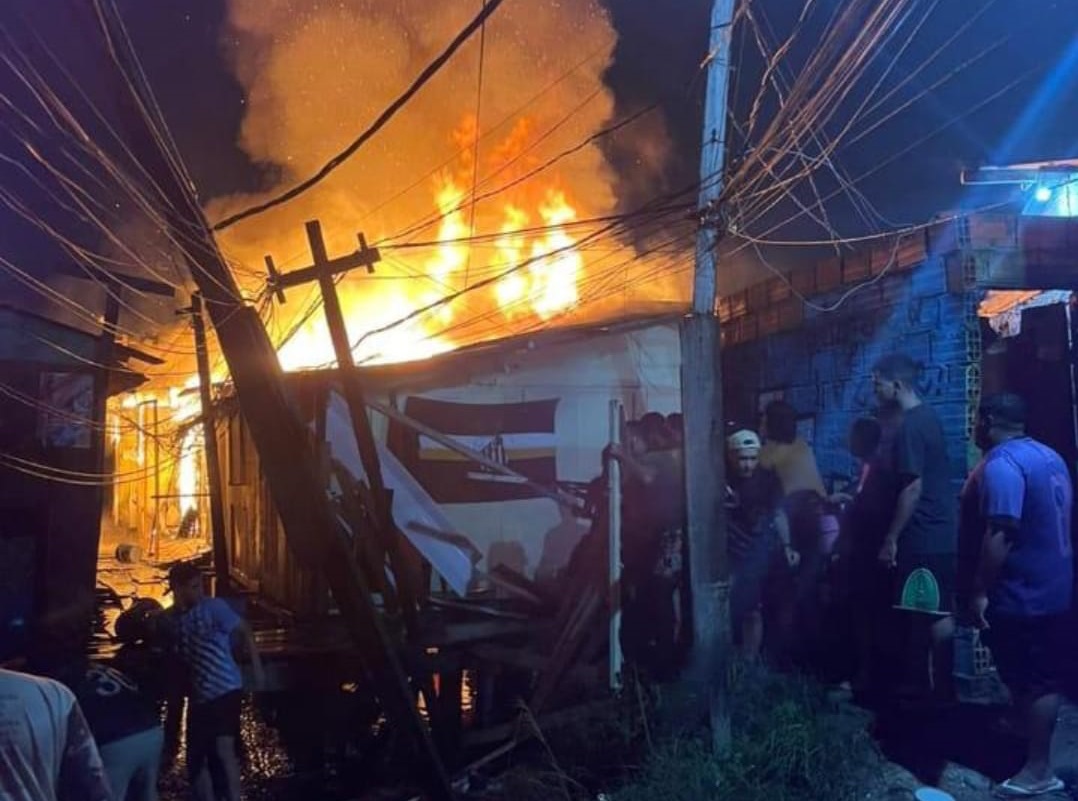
(300,746)
(268,771)
(292,751)
(966,749)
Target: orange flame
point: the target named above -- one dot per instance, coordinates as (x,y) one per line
(541,267)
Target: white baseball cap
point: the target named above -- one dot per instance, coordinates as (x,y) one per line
(743,440)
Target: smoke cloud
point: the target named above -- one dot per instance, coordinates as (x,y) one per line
(317,73)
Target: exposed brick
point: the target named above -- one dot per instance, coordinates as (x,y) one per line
(942,238)
(769,320)
(804,280)
(828,275)
(824,363)
(990,231)
(856,267)
(757,297)
(778,290)
(739,304)
(791,313)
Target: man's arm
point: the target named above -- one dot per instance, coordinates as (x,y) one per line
(910,450)
(907,502)
(782,527)
(646,472)
(82,776)
(240,637)
(997,543)
(1002,498)
(243,642)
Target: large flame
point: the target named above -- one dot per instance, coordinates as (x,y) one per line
(535,259)
(302,71)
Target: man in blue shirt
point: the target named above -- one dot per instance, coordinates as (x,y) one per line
(208,636)
(1022,576)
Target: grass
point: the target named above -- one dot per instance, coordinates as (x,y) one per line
(789,744)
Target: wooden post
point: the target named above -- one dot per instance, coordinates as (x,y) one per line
(213,460)
(106,343)
(323,270)
(282,441)
(701,393)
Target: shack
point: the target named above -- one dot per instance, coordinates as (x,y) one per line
(54,467)
(538,403)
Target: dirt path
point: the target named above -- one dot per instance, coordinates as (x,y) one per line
(964,751)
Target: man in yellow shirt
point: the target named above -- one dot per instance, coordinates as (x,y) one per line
(792,460)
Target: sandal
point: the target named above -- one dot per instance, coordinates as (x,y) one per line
(1010,789)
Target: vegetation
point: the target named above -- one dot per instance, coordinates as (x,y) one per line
(790,743)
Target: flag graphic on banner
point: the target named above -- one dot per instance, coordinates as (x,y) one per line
(518,435)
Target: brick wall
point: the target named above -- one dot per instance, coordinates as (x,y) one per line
(823,365)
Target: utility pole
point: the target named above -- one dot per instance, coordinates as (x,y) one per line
(213,461)
(324,270)
(701,391)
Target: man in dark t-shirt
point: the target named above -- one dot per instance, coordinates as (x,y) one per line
(125,724)
(758,531)
(921,541)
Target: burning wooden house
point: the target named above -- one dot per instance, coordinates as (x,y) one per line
(539,404)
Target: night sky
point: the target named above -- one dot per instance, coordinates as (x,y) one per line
(657,58)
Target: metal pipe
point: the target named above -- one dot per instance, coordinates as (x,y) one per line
(1071,365)
(156,472)
(614,544)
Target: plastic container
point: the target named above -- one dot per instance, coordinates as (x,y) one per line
(127,553)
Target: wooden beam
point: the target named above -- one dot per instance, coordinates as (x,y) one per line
(365,257)
(520,731)
(117,280)
(213,457)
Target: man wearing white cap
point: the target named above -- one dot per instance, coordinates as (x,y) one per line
(757,529)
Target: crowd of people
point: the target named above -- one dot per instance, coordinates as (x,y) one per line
(73,728)
(865,586)
(862,586)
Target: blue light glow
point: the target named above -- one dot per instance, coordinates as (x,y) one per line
(1056,198)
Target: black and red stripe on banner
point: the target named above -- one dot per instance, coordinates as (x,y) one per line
(519,435)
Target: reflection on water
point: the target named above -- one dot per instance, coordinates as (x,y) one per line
(305,746)
(268,772)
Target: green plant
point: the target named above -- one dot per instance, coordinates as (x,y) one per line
(789,744)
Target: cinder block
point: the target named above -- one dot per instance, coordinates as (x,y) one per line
(856,267)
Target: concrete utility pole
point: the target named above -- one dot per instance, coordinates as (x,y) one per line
(701,391)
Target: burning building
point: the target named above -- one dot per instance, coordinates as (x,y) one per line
(487,229)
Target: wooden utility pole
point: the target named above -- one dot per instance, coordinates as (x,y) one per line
(324,270)
(286,452)
(701,393)
(213,460)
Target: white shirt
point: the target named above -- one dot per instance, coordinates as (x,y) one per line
(45,743)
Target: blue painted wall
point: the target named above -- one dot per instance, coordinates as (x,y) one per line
(824,366)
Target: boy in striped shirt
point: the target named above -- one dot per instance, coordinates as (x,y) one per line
(208,637)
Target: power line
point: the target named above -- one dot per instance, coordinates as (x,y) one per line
(432,69)
(478,123)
